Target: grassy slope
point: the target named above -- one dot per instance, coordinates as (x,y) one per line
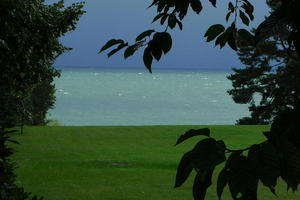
(78,162)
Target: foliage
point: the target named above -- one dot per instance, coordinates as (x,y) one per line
(279,154)
(171,15)
(8,188)
(37,104)
(28,46)
(270,82)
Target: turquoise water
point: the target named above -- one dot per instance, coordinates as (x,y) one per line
(93,96)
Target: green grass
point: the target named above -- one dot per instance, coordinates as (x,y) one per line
(73,163)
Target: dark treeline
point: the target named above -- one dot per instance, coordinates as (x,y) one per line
(28,47)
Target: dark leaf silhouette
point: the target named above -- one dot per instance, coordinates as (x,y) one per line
(184,168)
(147,58)
(267,164)
(228,16)
(121,46)
(231,40)
(163,19)
(206,154)
(201,183)
(239,169)
(192,133)
(231,7)
(246,36)
(110,43)
(213,2)
(166,42)
(221,40)
(172,21)
(249,10)
(290,168)
(222,182)
(153,3)
(155,47)
(244,18)
(129,51)
(196,6)
(179,24)
(157,17)
(144,34)
(213,31)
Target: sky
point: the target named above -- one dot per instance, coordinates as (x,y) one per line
(120,19)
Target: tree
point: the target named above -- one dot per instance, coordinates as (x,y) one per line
(37,104)
(28,46)
(279,155)
(270,82)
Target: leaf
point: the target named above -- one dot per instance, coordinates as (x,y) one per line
(231,7)
(267,164)
(155,47)
(290,168)
(196,6)
(248,5)
(242,180)
(161,5)
(221,40)
(232,41)
(244,18)
(213,31)
(129,51)
(249,10)
(156,53)
(158,16)
(172,21)
(201,183)
(179,24)
(246,36)
(213,2)
(144,34)
(285,137)
(121,46)
(192,133)
(227,16)
(166,42)
(147,58)
(163,19)
(184,168)
(208,154)
(110,43)
(153,3)
(181,8)
(222,182)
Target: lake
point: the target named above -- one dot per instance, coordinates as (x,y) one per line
(102,96)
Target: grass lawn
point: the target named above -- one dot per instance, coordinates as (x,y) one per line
(118,163)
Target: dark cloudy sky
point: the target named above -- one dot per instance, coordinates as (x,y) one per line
(107,19)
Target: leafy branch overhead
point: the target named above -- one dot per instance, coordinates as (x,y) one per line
(156,44)
(171,14)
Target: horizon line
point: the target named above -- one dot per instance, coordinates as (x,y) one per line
(139,67)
